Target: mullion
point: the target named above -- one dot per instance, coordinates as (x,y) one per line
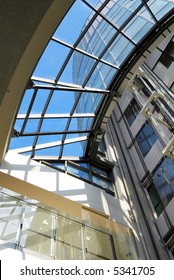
(104,51)
(68,123)
(85,53)
(56,132)
(64,137)
(150,11)
(29,110)
(41,121)
(67,87)
(57,116)
(81,36)
(124,24)
(74,46)
(36,137)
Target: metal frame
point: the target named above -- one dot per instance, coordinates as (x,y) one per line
(95,132)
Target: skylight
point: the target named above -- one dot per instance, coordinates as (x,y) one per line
(72,80)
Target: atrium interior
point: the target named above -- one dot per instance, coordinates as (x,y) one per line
(87,130)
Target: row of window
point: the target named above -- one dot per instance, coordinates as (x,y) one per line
(87,172)
(161,189)
(167,57)
(147,136)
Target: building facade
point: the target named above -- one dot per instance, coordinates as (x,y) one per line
(143,121)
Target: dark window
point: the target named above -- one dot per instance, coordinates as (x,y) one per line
(132,111)
(146,138)
(167,58)
(161,190)
(155,198)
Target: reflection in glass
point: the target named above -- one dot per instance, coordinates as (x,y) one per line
(10,216)
(139,26)
(36,232)
(160,7)
(118,51)
(78,172)
(68,240)
(56,234)
(98,245)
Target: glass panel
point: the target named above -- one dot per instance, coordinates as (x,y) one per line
(71,26)
(95,3)
(98,36)
(54,151)
(143,145)
(162,186)
(150,134)
(74,149)
(99,76)
(83,164)
(101,182)
(73,125)
(118,11)
(21,142)
(139,26)
(88,102)
(80,124)
(99,171)
(37,227)
(57,104)
(10,216)
(51,61)
(146,138)
(109,77)
(77,69)
(26,101)
(156,201)
(168,167)
(53,125)
(98,245)
(37,230)
(124,242)
(43,139)
(32,125)
(160,7)
(132,111)
(59,165)
(18,124)
(76,135)
(68,240)
(118,51)
(40,101)
(78,172)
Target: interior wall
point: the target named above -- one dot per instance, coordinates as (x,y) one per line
(64,185)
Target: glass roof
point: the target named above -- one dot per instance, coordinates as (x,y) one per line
(72,79)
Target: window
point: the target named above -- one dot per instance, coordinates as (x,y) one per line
(132,111)
(167,58)
(161,191)
(146,138)
(155,199)
(85,171)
